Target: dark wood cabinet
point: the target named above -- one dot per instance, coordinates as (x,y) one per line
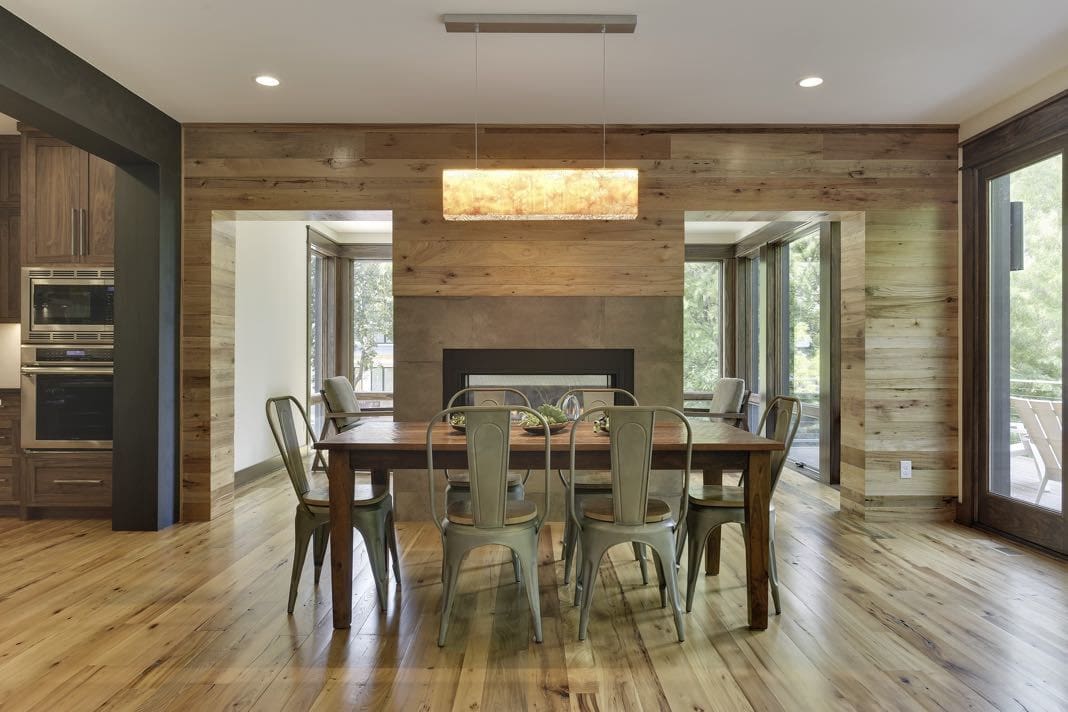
(10,236)
(68,203)
(10,465)
(77,480)
(10,171)
(10,281)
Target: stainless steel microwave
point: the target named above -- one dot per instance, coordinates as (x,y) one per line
(65,302)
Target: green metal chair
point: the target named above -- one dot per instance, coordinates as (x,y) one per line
(458,482)
(489,515)
(594,484)
(629,515)
(712,506)
(372,505)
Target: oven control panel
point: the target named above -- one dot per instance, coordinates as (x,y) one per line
(68,355)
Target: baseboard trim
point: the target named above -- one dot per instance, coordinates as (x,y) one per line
(250,474)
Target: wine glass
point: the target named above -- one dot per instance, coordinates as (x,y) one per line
(571,407)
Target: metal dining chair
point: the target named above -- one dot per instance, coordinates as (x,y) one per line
(712,506)
(458,482)
(629,514)
(589,484)
(372,505)
(489,515)
(727,402)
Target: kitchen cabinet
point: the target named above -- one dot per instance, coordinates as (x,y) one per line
(68,203)
(67,480)
(10,466)
(10,237)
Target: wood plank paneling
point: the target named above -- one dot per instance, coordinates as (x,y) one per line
(893,188)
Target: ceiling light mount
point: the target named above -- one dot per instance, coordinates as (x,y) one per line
(266,80)
(539,23)
(810,82)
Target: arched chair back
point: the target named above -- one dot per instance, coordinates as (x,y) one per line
(780,421)
(488,396)
(284,428)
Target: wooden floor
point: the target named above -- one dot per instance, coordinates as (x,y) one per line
(903,616)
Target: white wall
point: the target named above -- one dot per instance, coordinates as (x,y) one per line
(270,331)
(9,355)
(1021,101)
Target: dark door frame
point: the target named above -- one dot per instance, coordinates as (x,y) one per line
(46,86)
(1026,138)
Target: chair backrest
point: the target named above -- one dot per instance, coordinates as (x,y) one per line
(631,432)
(488,431)
(727,396)
(340,397)
(488,396)
(780,422)
(1042,421)
(597,397)
(284,429)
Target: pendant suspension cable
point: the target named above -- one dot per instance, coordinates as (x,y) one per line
(476,96)
(604,110)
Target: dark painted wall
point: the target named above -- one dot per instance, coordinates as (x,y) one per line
(48,87)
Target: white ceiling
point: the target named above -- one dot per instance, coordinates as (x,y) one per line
(691,61)
(719,232)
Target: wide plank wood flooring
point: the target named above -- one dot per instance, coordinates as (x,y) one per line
(876,617)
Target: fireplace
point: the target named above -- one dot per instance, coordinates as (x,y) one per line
(543,375)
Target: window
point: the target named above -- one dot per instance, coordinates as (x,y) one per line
(372,330)
(802,343)
(702,326)
(322,318)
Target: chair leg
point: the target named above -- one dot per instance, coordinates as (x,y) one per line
(1042,486)
(680,541)
(639,554)
(321,538)
(660,578)
(517,568)
(391,532)
(529,560)
(302,528)
(374,539)
(568,549)
(591,565)
(773,567)
(452,573)
(671,578)
(696,540)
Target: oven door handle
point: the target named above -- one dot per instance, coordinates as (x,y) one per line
(68,370)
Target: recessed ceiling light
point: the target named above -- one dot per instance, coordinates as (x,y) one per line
(809,82)
(267,80)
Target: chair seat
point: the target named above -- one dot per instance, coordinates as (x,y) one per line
(517,511)
(462,479)
(601,509)
(593,482)
(717,496)
(364,494)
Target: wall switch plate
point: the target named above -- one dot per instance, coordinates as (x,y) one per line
(906,469)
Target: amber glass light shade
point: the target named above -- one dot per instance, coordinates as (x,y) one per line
(540,194)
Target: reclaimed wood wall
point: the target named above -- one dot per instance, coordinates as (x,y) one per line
(895,189)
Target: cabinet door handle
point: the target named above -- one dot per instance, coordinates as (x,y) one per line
(74,221)
(85,231)
(78,482)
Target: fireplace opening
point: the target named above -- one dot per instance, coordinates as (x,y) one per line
(542,375)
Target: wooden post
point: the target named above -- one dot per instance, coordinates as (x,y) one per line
(757,507)
(342,485)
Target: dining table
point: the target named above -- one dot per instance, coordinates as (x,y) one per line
(384,447)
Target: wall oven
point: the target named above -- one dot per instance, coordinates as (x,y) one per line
(67,397)
(68,304)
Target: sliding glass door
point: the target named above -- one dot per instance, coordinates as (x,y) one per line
(1023,492)
(801,343)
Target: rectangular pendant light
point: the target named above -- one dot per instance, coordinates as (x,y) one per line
(540,194)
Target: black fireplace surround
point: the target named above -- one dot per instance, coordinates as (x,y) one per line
(458,365)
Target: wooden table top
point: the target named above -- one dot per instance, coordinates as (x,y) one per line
(375,434)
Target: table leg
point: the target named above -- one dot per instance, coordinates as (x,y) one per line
(757,503)
(380,477)
(713,476)
(342,484)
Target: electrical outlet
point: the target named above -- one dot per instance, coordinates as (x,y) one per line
(906,469)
